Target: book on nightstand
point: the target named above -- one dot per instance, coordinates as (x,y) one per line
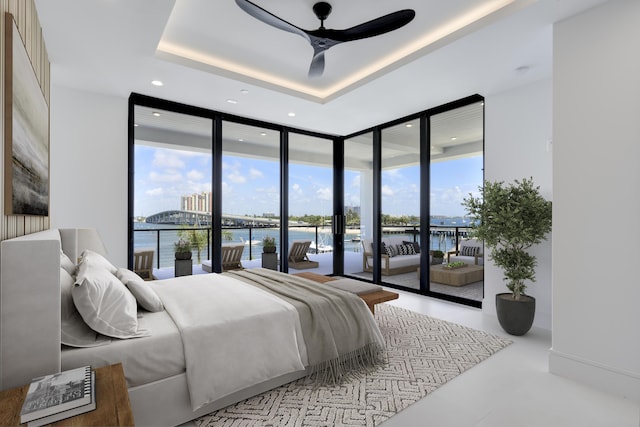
(58,396)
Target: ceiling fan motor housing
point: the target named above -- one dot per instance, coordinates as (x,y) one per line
(322,10)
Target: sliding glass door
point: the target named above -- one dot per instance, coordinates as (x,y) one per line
(456,170)
(172,185)
(310,196)
(400,202)
(358,206)
(250,188)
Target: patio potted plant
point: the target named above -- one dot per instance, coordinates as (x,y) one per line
(437,257)
(268,244)
(182,249)
(511,218)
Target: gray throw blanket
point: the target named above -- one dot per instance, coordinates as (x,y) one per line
(340,333)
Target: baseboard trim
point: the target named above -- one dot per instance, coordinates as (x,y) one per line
(606,378)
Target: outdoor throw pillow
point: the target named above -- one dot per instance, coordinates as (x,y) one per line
(416,246)
(389,250)
(405,249)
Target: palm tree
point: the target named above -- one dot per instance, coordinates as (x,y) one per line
(197,237)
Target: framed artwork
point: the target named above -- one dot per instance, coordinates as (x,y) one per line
(26,125)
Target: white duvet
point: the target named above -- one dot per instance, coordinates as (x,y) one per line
(234,335)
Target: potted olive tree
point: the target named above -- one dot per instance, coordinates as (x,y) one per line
(268,244)
(511,218)
(182,249)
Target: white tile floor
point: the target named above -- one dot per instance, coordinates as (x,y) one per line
(511,388)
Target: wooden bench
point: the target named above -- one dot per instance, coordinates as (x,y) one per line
(371,299)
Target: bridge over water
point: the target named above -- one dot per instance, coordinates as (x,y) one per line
(178,217)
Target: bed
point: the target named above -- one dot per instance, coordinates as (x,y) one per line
(178,360)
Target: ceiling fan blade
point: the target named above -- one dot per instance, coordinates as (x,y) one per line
(270,19)
(317,63)
(372,28)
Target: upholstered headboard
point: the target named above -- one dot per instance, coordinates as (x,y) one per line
(30,300)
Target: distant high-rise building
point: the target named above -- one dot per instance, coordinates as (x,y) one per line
(354,209)
(197,202)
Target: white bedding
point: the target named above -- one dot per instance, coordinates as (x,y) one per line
(227,326)
(145,359)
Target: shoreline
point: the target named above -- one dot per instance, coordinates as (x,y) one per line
(326,230)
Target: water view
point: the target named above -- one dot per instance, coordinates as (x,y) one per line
(161,237)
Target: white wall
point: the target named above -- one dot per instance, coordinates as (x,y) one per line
(517,145)
(89,165)
(596,133)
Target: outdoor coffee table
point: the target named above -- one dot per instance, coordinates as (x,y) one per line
(456,276)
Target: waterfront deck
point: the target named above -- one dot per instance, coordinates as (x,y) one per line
(353,267)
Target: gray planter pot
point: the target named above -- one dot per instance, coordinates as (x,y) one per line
(436,261)
(515,316)
(183,255)
(269,249)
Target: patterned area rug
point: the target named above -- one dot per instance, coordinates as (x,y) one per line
(423,354)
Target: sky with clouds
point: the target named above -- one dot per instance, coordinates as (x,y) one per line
(251,187)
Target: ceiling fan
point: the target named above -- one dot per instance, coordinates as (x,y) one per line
(323,38)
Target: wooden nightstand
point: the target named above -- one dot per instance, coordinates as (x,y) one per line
(112,406)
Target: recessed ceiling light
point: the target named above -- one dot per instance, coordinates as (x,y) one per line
(263,134)
(232,101)
(240,139)
(157,83)
(136,125)
(453,138)
(156,114)
(409,125)
(244,91)
(292,114)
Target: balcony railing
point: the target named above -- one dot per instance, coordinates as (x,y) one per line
(444,238)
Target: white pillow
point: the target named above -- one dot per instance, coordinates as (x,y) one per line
(74,332)
(141,290)
(67,308)
(105,304)
(67,264)
(97,260)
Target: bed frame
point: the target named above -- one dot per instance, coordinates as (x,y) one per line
(30,327)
